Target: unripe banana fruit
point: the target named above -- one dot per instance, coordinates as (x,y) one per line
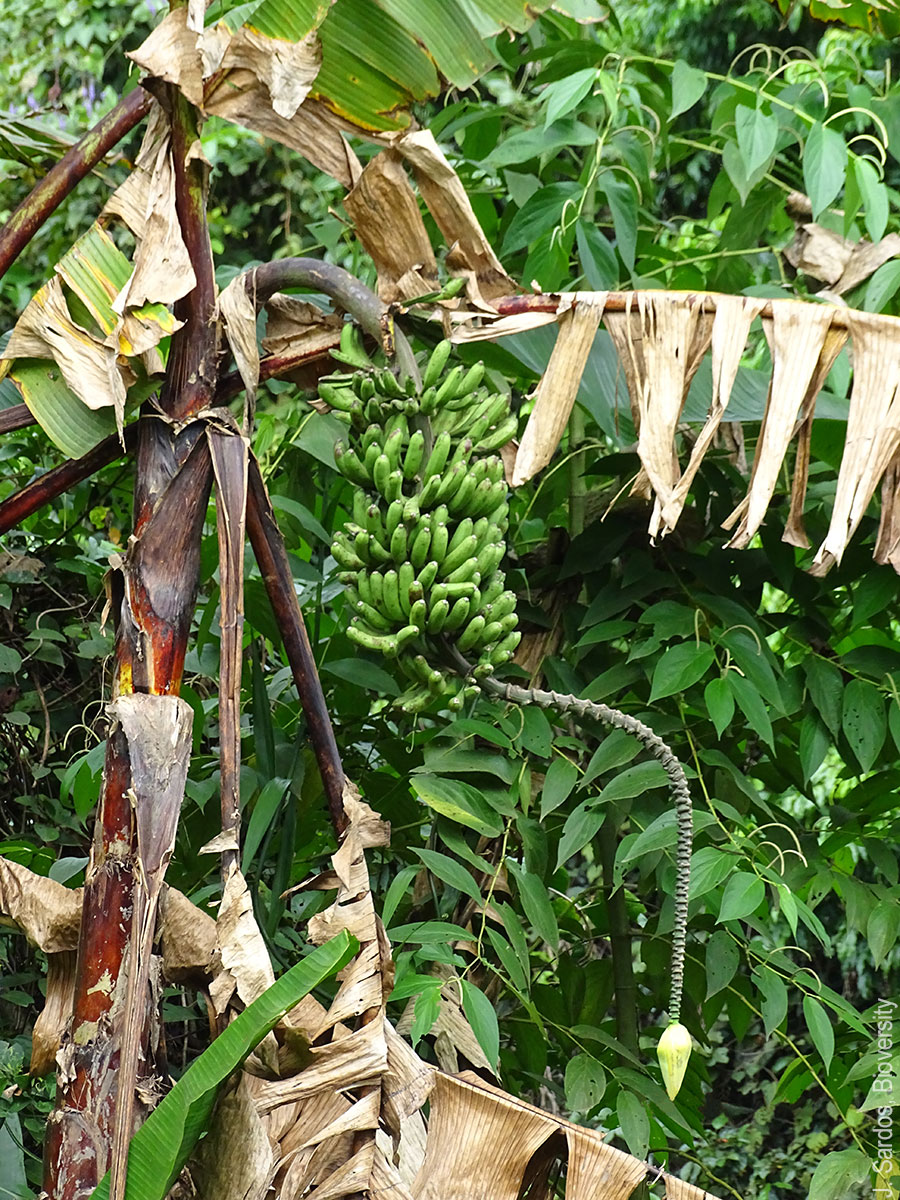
(422,555)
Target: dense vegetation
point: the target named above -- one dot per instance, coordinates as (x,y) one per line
(596,158)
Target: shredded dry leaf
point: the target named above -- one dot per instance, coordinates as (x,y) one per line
(296,327)
(887,546)
(385,211)
(236,1160)
(873,429)
(491,328)
(731,324)
(242,78)
(162,266)
(238,313)
(794,530)
(558,387)
(797,335)
(470,253)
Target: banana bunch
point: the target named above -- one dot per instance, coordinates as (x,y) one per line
(420,559)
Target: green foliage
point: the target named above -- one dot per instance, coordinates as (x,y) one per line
(534,860)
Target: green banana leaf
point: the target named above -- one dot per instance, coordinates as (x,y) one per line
(380,56)
(161,1146)
(94,271)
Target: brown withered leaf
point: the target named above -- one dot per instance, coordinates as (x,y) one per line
(558,387)
(794,530)
(597,1171)
(238,313)
(660,351)
(731,324)
(470,253)
(837,261)
(229,452)
(162,266)
(187,937)
(54,1016)
(296,326)
(385,212)
(873,429)
(158,732)
(236,1160)
(820,253)
(489,329)
(247,968)
(479,1142)
(677,1189)
(241,79)
(887,546)
(47,912)
(801,358)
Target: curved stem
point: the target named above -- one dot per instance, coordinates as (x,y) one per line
(348,292)
(678,787)
(59,181)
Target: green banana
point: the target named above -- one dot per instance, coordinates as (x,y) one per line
(391,596)
(360,506)
(340,398)
(415,453)
(428,574)
(372,616)
(381,473)
(492,633)
(420,545)
(405,578)
(462,531)
(489,558)
(436,363)
(418,615)
(393,517)
(376,587)
(458,614)
(388,384)
(465,573)
(383,643)
(373,433)
(374,523)
(461,499)
(437,616)
(399,544)
(440,536)
(393,448)
(500,436)
(471,634)
(504,650)
(416,592)
(494,590)
(350,466)
(437,459)
(457,557)
(453,591)
(449,388)
(451,482)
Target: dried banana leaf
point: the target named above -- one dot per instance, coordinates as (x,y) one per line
(873,429)
(558,387)
(802,356)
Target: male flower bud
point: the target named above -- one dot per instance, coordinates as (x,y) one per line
(673,1051)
